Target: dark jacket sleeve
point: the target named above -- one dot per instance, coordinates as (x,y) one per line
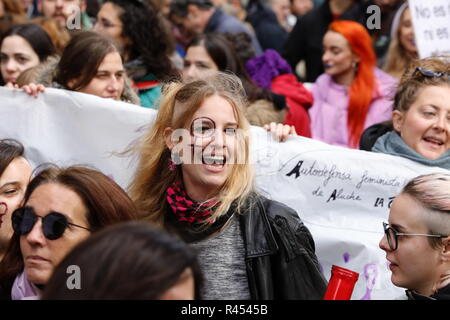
(372,133)
(295,45)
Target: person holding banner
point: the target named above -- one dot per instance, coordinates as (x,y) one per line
(421,116)
(15,173)
(62,207)
(143,263)
(22,47)
(194,178)
(90,63)
(417,238)
(352,94)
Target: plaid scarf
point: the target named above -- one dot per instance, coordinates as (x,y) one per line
(185,209)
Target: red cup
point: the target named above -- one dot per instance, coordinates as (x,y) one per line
(341,284)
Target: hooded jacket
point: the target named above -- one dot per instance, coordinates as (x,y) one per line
(330,110)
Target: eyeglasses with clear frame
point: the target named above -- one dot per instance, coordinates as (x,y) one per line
(392,235)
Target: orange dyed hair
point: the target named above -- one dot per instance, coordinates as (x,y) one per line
(363,86)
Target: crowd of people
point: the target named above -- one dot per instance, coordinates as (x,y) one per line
(187,229)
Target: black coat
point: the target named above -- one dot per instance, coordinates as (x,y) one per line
(270,34)
(280,254)
(305,41)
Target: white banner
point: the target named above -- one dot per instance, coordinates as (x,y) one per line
(342,195)
(66,128)
(431,21)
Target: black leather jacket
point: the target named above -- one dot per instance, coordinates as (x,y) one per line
(280,258)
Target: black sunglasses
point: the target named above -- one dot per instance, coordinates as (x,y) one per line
(53,225)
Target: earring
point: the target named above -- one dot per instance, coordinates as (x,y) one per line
(355,65)
(172,165)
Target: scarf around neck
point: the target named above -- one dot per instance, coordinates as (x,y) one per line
(186,209)
(391,143)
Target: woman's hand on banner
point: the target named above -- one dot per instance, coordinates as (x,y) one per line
(33,89)
(280,131)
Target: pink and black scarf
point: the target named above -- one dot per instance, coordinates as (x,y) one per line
(188,216)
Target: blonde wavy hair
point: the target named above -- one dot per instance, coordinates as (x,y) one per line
(178,104)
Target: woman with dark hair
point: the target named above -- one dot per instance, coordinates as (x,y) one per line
(62,207)
(352,94)
(213,52)
(90,63)
(143,263)
(22,47)
(144,41)
(15,173)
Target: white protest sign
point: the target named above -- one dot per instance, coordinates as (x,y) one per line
(342,195)
(431,21)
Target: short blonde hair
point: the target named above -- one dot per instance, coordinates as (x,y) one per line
(432,192)
(179,102)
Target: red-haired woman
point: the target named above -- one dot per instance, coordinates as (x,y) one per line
(352,94)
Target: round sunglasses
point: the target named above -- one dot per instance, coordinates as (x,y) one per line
(54,224)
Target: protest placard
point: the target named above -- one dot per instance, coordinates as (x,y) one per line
(431,21)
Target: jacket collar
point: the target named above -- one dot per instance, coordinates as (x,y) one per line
(441,294)
(258,236)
